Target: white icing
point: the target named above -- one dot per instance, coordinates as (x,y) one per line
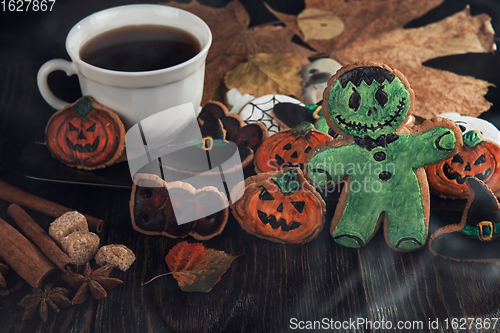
(236,100)
(259,110)
(316,76)
(487,129)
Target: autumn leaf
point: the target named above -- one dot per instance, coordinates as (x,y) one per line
(197,268)
(233,41)
(374,31)
(265,74)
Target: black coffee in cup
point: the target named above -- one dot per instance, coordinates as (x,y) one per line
(139,48)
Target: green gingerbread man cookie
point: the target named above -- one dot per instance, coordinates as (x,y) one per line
(379,159)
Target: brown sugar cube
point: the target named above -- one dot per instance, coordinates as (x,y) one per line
(81,246)
(116,254)
(67,224)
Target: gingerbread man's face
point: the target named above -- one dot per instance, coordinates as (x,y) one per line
(368,101)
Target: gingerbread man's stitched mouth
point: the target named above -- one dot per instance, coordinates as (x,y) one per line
(365,127)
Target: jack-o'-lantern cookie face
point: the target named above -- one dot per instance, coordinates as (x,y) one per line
(85,135)
(478,158)
(280,206)
(368,101)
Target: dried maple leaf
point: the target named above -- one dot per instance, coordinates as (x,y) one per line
(195,267)
(41,300)
(97,283)
(265,74)
(373,31)
(233,41)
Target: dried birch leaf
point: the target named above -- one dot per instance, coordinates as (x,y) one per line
(265,74)
(197,268)
(233,41)
(374,32)
(318,24)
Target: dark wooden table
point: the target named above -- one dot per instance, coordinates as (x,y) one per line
(269,287)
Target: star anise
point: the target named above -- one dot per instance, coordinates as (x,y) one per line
(92,282)
(4,269)
(41,300)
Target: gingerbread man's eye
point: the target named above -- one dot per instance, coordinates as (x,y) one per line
(381,96)
(354,100)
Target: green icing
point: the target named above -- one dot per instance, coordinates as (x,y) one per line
(303,127)
(83,106)
(382,179)
(472,138)
(321,125)
(288,182)
(370,109)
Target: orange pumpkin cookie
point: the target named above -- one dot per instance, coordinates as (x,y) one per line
(477,158)
(288,148)
(85,135)
(280,206)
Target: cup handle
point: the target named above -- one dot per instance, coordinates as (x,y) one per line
(43,73)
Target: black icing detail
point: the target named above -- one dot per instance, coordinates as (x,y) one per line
(407,239)
(357,239)
(480,160)
(329,180)
(332,133)
(308,149)
(354,100)
(365,127)
(484,175)
(467,167)
(462,128)
(281,162)
(294,155)
(280,208)
(451,175)
(288,146)
(72,127)
(381,97)
(271,219)
(88,148)
(367,74)
(439,139)
(384,175)
(485,205)
(382,141)
(457,159)
(379,156)
(299,206)
(265,195)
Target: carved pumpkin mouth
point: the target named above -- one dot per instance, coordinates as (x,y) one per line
(358,126)
(281,162)
(87,148)
(452,175)
(275,224)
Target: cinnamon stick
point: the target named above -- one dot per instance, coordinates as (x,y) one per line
(41,239)
(26,259)
(15,195)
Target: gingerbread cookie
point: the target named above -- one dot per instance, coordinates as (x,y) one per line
(288,148)
(280,206)
(260,108)
(475,238)
(176,209)
(85,135)
(477,158)
(379,159)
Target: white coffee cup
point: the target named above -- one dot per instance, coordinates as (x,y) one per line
(133,95)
